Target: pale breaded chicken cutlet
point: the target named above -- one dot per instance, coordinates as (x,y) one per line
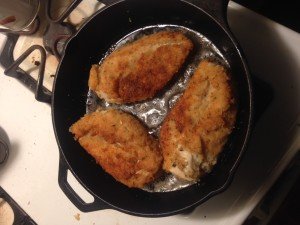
(137,71)
(196,129)
(121,145)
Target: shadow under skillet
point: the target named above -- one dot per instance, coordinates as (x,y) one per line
(286,14)
(269,58)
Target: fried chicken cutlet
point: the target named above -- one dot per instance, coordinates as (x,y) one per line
(137,71)
(196,129)
(121,145)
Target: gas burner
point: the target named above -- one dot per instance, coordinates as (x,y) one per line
(56,23)
(31,30)
(11,212)
(58,31)
(3,151)
(55,37)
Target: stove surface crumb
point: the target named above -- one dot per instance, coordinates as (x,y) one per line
(77,216)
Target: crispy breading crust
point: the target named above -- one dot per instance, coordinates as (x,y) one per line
(196,129)
(137,71)
(121,145)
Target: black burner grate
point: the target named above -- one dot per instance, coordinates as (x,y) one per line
(56,35)
(54,39)
(20,216)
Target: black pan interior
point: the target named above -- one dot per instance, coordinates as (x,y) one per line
(69,101)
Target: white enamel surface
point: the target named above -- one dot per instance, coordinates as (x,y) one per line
(30,174)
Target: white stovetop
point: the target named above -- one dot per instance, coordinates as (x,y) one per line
(30,174)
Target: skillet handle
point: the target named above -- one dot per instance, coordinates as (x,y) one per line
(215,8)
(72,195)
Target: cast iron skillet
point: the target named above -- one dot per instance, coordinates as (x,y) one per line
(105,28)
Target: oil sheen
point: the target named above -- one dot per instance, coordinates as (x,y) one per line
(152,112)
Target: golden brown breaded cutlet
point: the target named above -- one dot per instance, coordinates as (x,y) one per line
(137,71)
(121,145)
(196,129)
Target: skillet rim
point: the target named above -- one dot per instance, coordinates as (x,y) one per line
(233,169)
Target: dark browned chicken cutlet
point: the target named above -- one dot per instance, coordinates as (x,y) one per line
(137,71)
(196,129)
(121,145)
